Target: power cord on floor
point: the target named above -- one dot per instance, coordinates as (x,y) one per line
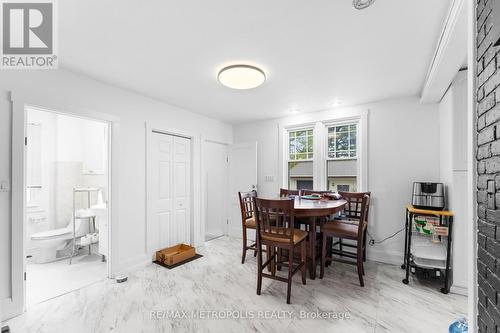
(372,241)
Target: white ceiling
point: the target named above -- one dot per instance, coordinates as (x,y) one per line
(312,51)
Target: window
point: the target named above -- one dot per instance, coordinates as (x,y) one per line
(342,162)
(342,141)
(300,145)
(324,155)
(300,159)
(343,188)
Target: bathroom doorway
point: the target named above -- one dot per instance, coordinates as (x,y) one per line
(216,185)
(67,178)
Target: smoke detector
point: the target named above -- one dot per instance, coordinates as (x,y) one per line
(362,4)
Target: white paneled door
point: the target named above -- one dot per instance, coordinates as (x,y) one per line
(242,178)
(216,168)
(170,189)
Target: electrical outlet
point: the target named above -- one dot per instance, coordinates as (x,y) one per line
(4,186)
(269,178)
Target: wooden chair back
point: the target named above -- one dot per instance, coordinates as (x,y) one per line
(247,205)
(364,206)
(353,208)
(275,220)
(285,192)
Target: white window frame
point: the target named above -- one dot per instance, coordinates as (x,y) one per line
(320,121)
(338,124)
(305,127)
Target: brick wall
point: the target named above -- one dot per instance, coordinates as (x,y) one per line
(488,168)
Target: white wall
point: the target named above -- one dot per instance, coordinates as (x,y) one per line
(133,110)
(453,171)
(403,147)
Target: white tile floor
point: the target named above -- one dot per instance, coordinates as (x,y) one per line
(219,282)
(49,280)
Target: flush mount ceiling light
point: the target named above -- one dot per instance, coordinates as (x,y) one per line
(362,4)
(336,103)
(241,76)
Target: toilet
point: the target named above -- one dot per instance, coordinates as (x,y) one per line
(47,243)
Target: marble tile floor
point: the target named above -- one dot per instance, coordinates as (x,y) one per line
(49,280)
(154,298)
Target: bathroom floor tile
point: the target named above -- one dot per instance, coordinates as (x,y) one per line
(49,280)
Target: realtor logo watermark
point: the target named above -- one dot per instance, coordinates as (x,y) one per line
(29,39)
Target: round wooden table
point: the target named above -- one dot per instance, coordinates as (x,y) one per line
(311,211)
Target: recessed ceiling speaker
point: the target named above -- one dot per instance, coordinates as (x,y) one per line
(362,4)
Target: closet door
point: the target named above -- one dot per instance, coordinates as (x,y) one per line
(161,188)
(182,190)
(170,190)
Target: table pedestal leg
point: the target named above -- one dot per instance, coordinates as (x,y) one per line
(312,243)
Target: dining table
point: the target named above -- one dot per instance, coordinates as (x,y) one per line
(313,213)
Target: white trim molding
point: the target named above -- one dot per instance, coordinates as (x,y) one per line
(15,304)
(450,54)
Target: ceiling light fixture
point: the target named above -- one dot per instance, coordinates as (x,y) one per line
(362,4)
(241,76)
(336,103)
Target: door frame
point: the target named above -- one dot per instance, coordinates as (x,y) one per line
(195,201)
(232,197)
(16,303)
(204,187)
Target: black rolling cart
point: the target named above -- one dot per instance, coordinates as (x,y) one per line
(445,229)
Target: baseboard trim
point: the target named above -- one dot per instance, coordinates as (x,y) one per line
(386,257)
(133,264)
(459,290)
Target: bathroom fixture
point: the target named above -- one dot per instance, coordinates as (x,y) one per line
(101,219)
(78,215)
(241,77)
(362,4)
(47,243)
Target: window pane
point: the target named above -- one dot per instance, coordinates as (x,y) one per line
(353,153)
(342,141)
(300,145)
(302,156)
(300,175)
(353,127)
(301,133)
(342,128)
(342,154)
(291,146)
(342,175)
(352,144)
(309,144)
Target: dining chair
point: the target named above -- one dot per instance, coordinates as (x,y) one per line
(351,215)
(247,220)
(275,230)
(286,192)
(351,231)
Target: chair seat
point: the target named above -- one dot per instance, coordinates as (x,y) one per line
(341,229)
(250,223)
(347,220)
(298,235)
